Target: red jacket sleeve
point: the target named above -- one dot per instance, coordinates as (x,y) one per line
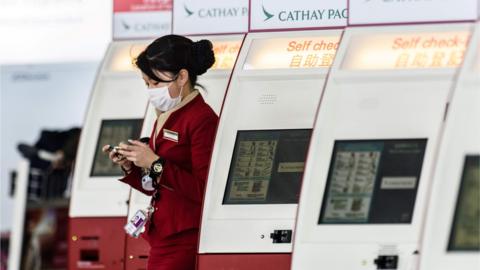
(191,184)
(134,179)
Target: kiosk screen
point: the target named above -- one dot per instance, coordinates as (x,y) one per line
(113,132)
(465,233)
(372,182)
(267,167)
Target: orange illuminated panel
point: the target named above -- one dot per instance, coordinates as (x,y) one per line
(406,51)
(225,53)
(124,58)
(292,52)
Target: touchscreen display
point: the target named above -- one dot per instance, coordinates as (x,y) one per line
(372,181)
(465,233)
(267,167)
(113,132)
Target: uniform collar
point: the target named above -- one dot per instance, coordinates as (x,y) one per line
(162,117)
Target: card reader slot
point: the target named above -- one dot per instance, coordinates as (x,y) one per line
(89,238)
(89,255)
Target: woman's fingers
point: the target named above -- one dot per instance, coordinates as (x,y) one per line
(120,156)
(124,146)
(127,153)
(137,143)
(136,152)
(132,159)
(105,148)
(111,155)
(117,159)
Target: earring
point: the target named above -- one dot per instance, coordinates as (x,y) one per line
(181,90)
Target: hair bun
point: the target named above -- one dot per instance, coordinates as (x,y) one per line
(203,56)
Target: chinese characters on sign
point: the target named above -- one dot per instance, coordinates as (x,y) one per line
(320,55)
(303,52)
(407,51)
(225,54)
(429,52)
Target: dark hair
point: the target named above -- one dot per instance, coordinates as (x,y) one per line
(173,53)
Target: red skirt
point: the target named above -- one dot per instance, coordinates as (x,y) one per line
(177,252)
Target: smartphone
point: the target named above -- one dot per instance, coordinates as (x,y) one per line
(144,139)
(115,150)
(112,148)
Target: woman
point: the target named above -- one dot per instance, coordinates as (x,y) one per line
(179,150)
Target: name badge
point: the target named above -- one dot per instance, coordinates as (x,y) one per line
(170,135)
(136,225)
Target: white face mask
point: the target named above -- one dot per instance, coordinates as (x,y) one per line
(160,98)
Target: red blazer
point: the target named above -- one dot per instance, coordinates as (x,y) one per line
(185,171)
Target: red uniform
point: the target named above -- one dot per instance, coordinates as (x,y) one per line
(185,141)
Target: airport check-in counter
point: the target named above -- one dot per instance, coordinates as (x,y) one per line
(452,233)
(368,173)
(260,149)
(98,205)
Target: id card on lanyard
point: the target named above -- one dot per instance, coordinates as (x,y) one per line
(136,225)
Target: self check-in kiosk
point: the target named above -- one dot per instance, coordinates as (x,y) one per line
(215,81)
(368,172)
(98,204)
(260,149)
(18,220)
(452,232)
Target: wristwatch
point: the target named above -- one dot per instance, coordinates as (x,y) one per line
(157,167)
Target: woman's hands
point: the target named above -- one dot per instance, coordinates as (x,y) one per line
(117,159)
(137,152)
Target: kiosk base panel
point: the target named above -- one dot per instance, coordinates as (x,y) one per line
(96,243)
(244,261)
(137,250)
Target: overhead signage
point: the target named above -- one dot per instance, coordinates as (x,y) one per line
(408,11)
(210,16)
(136,19)
(299,14)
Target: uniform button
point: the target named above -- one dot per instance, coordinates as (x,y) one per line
(156,208)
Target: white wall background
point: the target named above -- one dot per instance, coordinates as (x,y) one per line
(32,98)
(49,53)
(46,31)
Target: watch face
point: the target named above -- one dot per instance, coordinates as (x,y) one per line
(157,167)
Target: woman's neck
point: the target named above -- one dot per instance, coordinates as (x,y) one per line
(187,90)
